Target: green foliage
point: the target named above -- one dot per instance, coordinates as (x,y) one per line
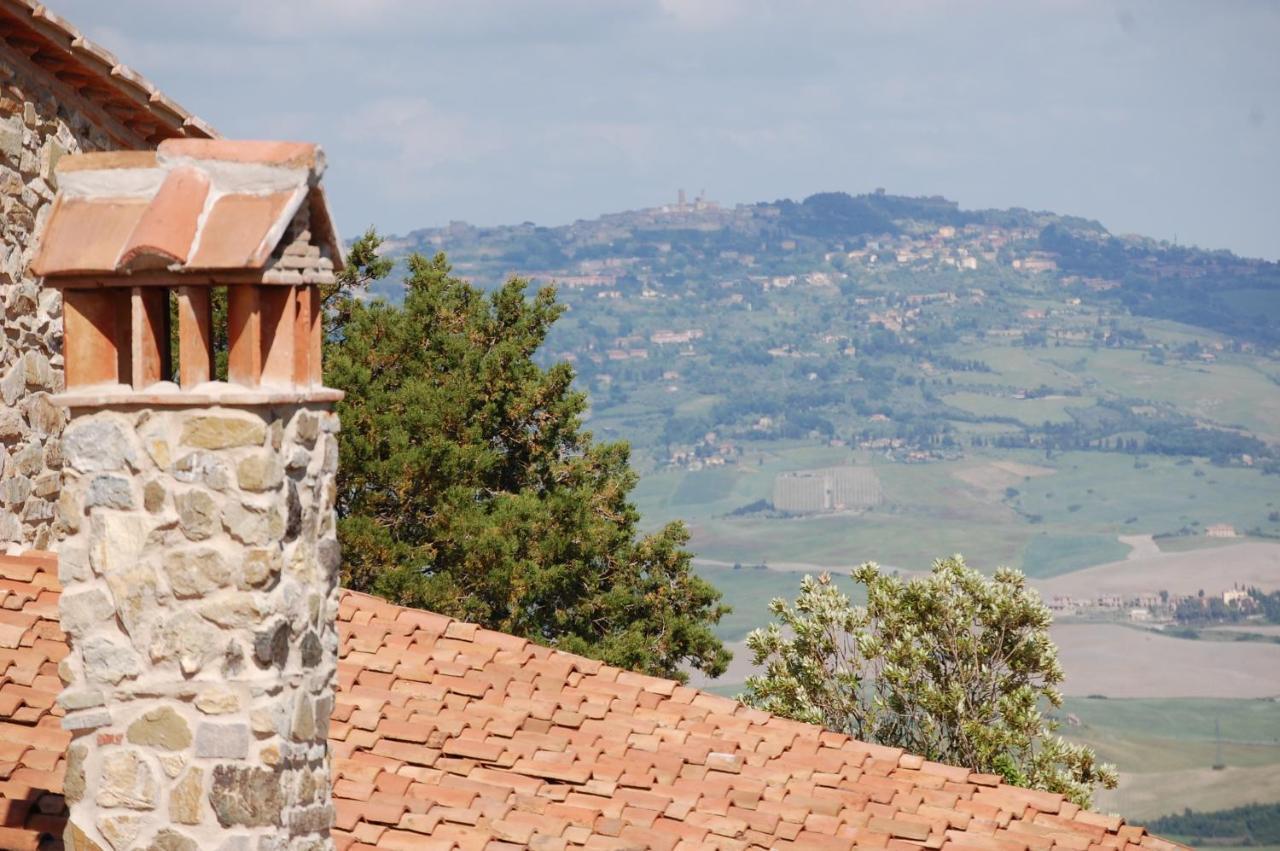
(364,265)
(953,666)
(468,486)
(1254,824)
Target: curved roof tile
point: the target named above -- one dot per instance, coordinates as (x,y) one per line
(192,205)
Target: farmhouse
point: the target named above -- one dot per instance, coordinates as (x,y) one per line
(185,673)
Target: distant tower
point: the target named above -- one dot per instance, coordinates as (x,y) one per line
(680,200)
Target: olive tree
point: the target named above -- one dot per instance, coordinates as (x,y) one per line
(954,666)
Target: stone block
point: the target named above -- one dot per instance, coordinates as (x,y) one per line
(84,611)
(196,571)
(312,652)
(171,840)
(202,468)
(234,609)
(243,796)
(45,418)
(154,496)
(304,720)
(11,131)
(222,741)
(120,830)
(271,644)
(217,700)
(171,763)
(259,472)
(155,441)
(162,727)
(37,372)
(198,515)
(12,425)
(315,819)
(126,780)
(87,719)
(134,592)
(223,432)
(15,490)
(109,492)
(73,782)
(261,568)
(98,445)
(188,639)
(72,700)
(116,541)
(28,461)
(76,839)
(187,797)
(13,384)
(107,661)
(249,524)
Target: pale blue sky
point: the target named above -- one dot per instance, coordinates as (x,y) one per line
(1158,117)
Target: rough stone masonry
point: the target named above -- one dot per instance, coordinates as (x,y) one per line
(60,95)
(36,130)
(200,597)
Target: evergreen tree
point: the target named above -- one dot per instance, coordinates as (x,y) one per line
(468,486)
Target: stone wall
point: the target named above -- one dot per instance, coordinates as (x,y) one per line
(37,127)
(200,597)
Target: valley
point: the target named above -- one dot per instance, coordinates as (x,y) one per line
(811,385)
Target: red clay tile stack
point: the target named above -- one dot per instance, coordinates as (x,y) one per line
(450,736)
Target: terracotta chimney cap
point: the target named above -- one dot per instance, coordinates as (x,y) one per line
(194,205)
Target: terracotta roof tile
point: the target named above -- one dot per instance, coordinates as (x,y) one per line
(53,44)
(165,232)
(582,757)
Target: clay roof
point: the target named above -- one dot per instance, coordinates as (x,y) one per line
(449,736)
(133,104)
(190,205)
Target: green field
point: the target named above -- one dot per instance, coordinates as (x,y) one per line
(749,589)
(1050,555)
(1032,412)
(1169,749)
(1045,524)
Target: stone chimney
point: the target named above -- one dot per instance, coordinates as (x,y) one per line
(199,561)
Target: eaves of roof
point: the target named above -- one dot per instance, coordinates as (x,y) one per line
(53,45)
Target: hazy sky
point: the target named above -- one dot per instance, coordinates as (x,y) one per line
(1160,118)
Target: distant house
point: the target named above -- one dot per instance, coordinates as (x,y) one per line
(1220,530)
(667,337)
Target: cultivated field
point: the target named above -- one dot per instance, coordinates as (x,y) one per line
(1121,661)
(1252,563)
(1142,796)
(1166,750)
(1269,629)
(994,476)
(1065,513)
